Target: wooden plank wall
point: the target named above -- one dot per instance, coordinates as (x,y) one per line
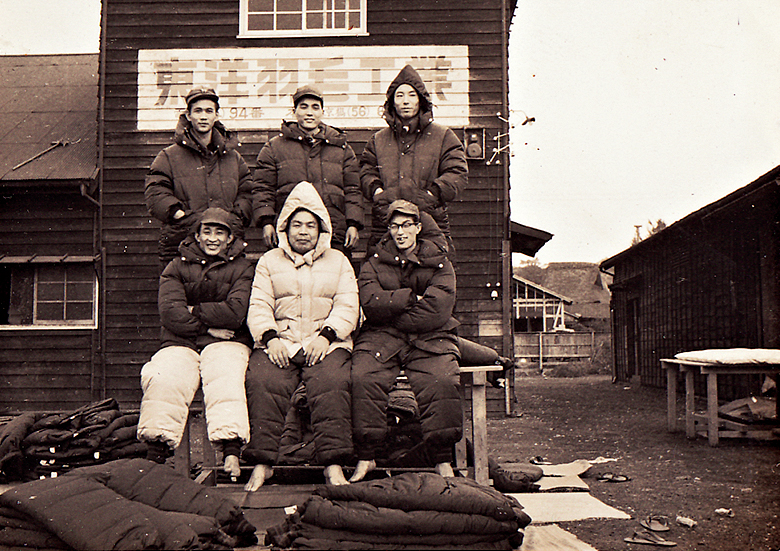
(700,288)
(46,369)
(479,218)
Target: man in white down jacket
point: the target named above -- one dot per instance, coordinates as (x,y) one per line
(303,309)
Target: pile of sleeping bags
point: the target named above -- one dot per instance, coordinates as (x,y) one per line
(37,444)
(123,504)
(408,511)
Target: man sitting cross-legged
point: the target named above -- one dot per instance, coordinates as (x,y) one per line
(302,311)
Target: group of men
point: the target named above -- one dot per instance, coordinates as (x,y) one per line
(252,335)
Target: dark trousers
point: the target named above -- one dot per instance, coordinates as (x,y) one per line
(435,381)
(269,389)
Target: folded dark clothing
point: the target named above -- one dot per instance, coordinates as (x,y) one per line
(306,530)
(101,418)
(126,421)
(60,504)
(357,516)
(127,450)
(75,418)
(428,491)
(119,436)
(131,504)
(11,437)
(162,488)
(82,448)
(347,545)
(48,437)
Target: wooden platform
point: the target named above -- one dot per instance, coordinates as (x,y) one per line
(473,378)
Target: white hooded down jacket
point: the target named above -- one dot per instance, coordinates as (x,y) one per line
(297,296)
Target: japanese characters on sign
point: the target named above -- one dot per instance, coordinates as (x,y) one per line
(256,85)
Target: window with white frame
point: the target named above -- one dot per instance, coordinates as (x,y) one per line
(42,294)
(275,18)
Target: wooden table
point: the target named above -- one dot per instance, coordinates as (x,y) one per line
(711,422)
(478,421)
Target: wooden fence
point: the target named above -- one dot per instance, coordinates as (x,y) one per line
(557,346)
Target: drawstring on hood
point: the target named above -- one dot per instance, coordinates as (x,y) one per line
(304,196)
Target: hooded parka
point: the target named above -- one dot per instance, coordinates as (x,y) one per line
(297,298)
(417,160)
(325,160)
(187,176)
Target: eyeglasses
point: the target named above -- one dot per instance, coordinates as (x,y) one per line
(405,226)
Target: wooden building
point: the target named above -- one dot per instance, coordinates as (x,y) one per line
(50,259)
(536,309)
(710,280)
(255,54)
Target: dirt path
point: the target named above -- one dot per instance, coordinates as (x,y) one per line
(588,417)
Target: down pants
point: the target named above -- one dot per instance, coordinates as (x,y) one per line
(170,380)
(435,381)
(269,390)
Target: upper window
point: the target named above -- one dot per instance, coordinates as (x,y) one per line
(50,295)
(274,18)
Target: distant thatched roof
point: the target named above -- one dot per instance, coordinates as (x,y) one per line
(582,282)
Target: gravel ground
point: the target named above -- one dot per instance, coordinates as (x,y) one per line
(563,419)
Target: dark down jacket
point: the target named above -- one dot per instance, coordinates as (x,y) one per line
(217,289)
(389,285)
(188,177)
(424,163)
(326,161)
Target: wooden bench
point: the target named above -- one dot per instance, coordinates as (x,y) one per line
(710,422)
(473,377)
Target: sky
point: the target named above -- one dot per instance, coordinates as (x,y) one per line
(645,109)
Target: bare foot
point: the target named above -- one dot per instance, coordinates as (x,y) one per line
(444,469)
(231,466)
(260,474)
(334,475)
(363,467)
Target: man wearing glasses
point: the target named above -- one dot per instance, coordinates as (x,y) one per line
(407,292)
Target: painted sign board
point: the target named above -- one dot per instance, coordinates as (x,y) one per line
(256,85)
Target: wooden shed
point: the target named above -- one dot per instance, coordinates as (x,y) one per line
(50,258)
(255,54)
(710,280)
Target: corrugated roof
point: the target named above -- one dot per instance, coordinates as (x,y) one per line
(47,100)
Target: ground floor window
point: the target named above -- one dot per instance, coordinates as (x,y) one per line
(48,294)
